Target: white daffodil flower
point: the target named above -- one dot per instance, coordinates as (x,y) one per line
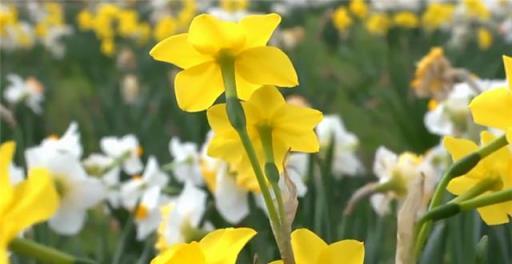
(395,174)
(147,214)
(133,189)
(296,167)
(452,117)
(125,149)
(231,200)
(181,217)
(29,91)
(345,162)
(68,143)
(77,191)
(105,168)
(186,161)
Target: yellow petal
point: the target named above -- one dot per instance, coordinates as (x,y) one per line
(244,88)
(176,50)
(266,66)
(223,245)
(462,184)
(259,28)
(208,34)
(181,254)
(493,108)
(228,148)
(218,119)
(6,154)
(36,201)
(350,251)
(267,100)
(507,61)
(509,135)
(294,125)
(458,148)
(198,87)
(276,262)
(493,214)
(307,246)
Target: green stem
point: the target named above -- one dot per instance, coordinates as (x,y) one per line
(488,199)
(481,187)
(459,168)
(272,173)
(236,117)
(40,252)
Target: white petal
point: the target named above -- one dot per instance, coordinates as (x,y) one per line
(380,203)
(384,162)
(68,222)
(230,200)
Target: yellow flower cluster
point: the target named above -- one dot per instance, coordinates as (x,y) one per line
(54,17)
(111,21)
(437,15)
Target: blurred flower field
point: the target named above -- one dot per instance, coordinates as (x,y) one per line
(238,131)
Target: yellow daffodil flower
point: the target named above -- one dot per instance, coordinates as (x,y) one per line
(341,19)
(437,15)
(484,37)
(358,8)
(218,247)
(493,172)
(308,248)
(378,24)
(29,202)
(493,108)
(406,19)
(290,127)
(211,41)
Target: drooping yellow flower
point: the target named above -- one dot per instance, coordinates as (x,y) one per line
(341,19)
(378,24)
(25,204)
(493,108)
(290,126)
(308,248)
(484,38)
(406,19)
(358,8)
(221,246)
(431,78)
(127,22)
(211,42)
(437,15)
(495,170)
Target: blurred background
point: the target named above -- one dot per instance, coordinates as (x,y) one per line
(88,61)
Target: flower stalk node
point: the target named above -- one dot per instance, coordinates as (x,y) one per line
(464,165)
(236,114)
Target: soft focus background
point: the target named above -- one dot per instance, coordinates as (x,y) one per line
(355,63)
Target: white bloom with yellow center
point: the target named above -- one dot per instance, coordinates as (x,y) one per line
(186,161)
(183,216)
(147,213)
(133,189)
(331,130)
(77,191)
(104,167)
(127,149)
(29,91)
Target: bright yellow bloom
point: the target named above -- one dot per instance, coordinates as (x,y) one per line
(85,20)
(484,38)
(308,248)
(358,8)
(494,169)
(477,9)
(8,17)
(127,22)
(437,15)
(341,19)
(211,41)
(27,203)
(290,126)
(493,108)
(378,24)
(221,246)
(406,19)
